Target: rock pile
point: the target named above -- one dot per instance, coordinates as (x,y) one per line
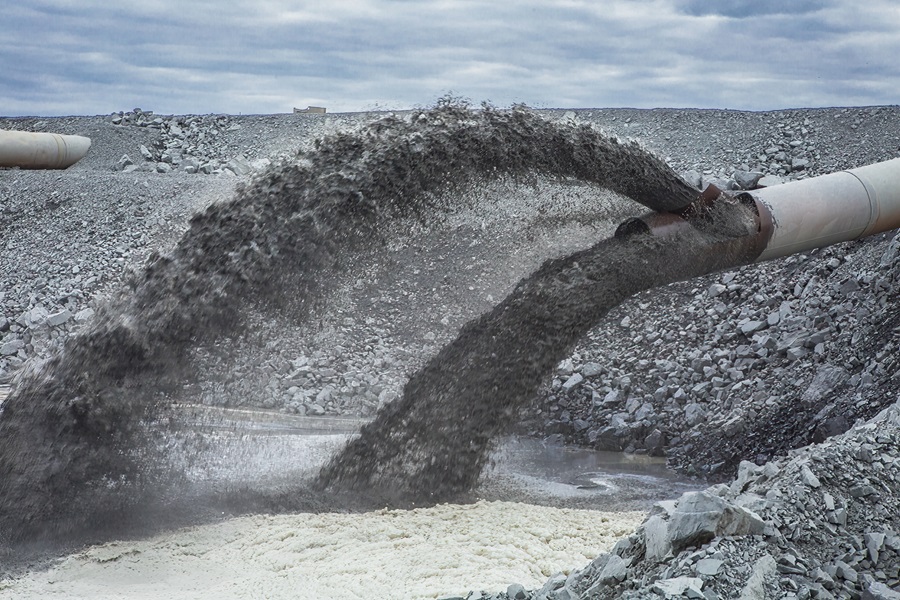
(66,242)
(823,522)
(774,357)
(193,144)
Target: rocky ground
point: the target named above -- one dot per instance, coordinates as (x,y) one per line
(740,366)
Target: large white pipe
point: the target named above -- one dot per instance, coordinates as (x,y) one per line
(820,211)
(30,150)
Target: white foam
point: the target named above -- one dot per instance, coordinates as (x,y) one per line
(387,554)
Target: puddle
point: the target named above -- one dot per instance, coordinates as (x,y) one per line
(268,449)
(527,469)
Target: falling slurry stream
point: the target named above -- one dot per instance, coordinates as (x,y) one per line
(73,447)
(433,442)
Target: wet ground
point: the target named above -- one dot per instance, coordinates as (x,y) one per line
(268,449)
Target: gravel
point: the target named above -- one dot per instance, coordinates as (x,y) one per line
(730,376)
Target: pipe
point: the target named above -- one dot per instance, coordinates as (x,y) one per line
(802,215)
(30,150)
(817,212)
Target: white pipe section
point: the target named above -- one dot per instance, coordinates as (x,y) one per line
(817,212)
(30,150)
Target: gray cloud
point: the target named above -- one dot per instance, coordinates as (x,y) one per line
(741,9)
(90,57)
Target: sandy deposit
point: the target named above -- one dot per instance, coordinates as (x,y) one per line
(421,553)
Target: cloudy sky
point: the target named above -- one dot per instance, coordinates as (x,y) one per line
(61,57)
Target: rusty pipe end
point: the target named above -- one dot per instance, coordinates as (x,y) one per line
(664,224)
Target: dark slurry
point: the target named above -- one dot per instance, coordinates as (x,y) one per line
(74,453)
(432,444)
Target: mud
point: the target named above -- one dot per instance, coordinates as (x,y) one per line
(75,453)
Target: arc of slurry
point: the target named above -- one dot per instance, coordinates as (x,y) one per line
(432,444)
(63,431)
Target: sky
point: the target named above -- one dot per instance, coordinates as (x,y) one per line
(94,57)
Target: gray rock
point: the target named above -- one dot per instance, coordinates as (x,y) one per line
(891,254)
(556,582)
(862,490)
(751,327)
(315,409)
(655,443)
(701,516)
(755,588)
(799,164)
(827,378)
(821,576)
(614,571)
(645,410)
(848,286)
(747,472)
(35,317)
(721,183)
(747,180)
(566,367)
(260,164)
(240,166)
(695,520)
(145,152)
(83,315)
(693,178)
(572,381)
(709,566)
(516,591)
(123,162)
(808,478)
(58,318)
(607,438)
(716,289)
(11,347)
(591,369)
(879,591)
(845,571)
(796,353)
(677,586)
(694,414)
(656,538)
(874,543)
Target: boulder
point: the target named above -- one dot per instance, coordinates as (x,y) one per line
(701,516)
(747,180)
(614,571)
(656,538)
